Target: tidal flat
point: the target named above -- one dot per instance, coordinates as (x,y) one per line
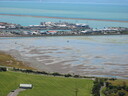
(104,56)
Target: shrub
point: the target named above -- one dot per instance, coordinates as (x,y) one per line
(121,93)
(3,69)
(56,74)
(68,75)
(76,76)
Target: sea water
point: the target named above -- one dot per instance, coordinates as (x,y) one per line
(68,10)
(85,55)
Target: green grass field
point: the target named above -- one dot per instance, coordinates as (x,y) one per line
(44,85)
(118,82)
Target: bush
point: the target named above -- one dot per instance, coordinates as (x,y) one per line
(126,88)
(98,83)
(68,75)
(121,93)
(76,76)
(113,79)
(56,74)
(3,69)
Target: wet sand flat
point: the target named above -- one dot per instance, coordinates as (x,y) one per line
(93,56)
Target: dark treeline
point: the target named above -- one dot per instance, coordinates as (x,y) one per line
(47,73)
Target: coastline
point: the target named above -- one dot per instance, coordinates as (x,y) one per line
(64,18)
(61,35)
(58,66)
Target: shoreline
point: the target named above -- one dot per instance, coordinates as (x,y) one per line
(63,35)
(65,18)
(47,68)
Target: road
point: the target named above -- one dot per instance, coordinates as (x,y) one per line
(101,94)
(16,92)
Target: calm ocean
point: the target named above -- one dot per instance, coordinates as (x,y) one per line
(72,10)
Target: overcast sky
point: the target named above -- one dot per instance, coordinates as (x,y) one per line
(93,1)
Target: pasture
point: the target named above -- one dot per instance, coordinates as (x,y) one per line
(44,85)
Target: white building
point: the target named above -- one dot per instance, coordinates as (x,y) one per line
(2,27)
(35,33)
(26,86)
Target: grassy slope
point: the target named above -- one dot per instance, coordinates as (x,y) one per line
(118,82)
(44,85)
(8,60)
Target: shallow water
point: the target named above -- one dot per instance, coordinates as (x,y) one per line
(84,55)
(69,10)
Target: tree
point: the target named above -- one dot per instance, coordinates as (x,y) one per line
(3,69)
(124,85)
(56,74)
(68,75)
(76,76)
(126,88)
(121,93)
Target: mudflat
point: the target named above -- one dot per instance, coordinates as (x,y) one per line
(104,56)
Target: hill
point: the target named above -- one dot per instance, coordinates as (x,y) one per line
(9,61)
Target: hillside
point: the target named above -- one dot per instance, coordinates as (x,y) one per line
(9,61)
